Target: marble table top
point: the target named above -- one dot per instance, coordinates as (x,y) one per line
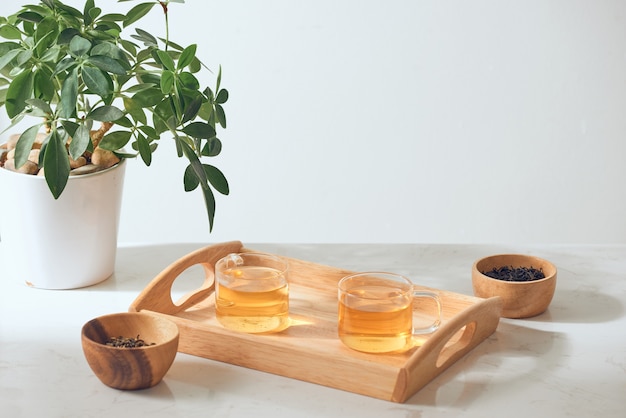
(568,361)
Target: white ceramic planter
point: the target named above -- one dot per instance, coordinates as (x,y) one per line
(66,243)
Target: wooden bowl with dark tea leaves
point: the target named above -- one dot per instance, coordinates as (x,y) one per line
(130,350)
(525,283)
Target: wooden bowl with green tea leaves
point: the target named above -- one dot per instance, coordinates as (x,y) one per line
(525,283)
(130,350)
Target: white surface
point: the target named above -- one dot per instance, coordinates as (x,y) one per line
(569,361)
(401,121)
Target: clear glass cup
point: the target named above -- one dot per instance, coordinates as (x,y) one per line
(376,312)
(252,292)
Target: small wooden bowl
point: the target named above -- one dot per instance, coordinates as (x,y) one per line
(519,299)
(136,367)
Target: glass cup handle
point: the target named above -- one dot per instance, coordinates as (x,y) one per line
(435,325)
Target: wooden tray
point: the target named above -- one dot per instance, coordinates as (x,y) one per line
(309,349)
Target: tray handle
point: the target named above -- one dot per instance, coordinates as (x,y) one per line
(478,322)
(157,296)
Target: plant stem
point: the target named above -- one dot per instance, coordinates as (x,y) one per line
(167,25)
(97,136)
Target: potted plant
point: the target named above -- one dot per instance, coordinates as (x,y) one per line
(97,97)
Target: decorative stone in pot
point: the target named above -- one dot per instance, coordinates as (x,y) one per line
(130,350)
(522,297)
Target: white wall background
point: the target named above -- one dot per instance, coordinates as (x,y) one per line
(401,121)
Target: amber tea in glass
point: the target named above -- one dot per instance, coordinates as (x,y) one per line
(376,312)
(252,292)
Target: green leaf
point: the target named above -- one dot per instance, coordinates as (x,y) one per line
(115,17)
(56,164)
(7,46)
(45,43)
(149,131)
(137,13)
(107,64)
(199,130)
(115,140)
(135,110)
(95,12)
(209,202)
(212,147)
(195,66)
(149,97)
(48,29)
(206,111)
(124,121)
(194,161)
(150,79)
(30,17)
(166,60)
(67,34)
(187,56)
(51,54)
(130,47)
(198,171)
(69,95)
(219,79)
(80,141)
(167,82)
(8,57)
(68,10)
(20,90)
(121,154)
(89,4)
(105,31)
(171,44)
(64,64)
(25,144)
(23,57)
(139,87)
(43,85)
(145,37)
(111,50)
(105,114)
(96,81)
(221,115)
(217,179)
(222,96)
(192,109)
(165,111)
(40,104)
(79,46)
(190,180)
(144,150)
(189,81)
(70,127)
(10,32)
(208,93)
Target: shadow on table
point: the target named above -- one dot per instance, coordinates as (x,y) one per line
(500,363)
(581,306)
(137,266)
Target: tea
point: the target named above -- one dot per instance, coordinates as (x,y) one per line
(376,318)
(252,299)
(376,312)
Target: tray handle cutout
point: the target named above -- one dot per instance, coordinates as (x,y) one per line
(157,296)
(436,354)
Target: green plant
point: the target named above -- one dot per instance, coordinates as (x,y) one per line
(73,69)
